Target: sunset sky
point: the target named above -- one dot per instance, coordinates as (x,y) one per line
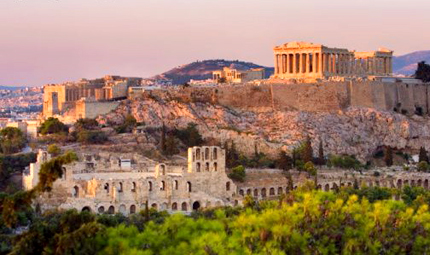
(49,41)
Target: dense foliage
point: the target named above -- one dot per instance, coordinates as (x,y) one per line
(306,221)
(238,173)
(190,135)
(10,164)
(53,126)
(423,71)
(12,140)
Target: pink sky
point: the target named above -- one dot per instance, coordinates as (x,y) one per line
(49,41)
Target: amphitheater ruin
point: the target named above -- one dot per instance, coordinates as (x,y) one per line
(128,183)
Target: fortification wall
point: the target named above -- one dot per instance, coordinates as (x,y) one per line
(313,97)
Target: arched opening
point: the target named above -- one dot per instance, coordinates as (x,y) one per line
(399,184)
(101,209)
(111,209)
(207,154)
(189,188)
(196,206)
(120,187)
(150,186)
(280,191)
(255,192)
(406,182)
(327,187)
(335,187)
(122,209)
(215,167)
(241,192)
(198,167)
(75,191)
(227,186)
(174,207)
(184,206)
(198,154)
(163,207)
(163,169)
(207,167)
(419,183)
(154,205)
(86,209)
(426,184)
(176,185)
(272,191)
(248,191)
(215,155)
(133,187)
(106,187)
(132,209)
(162,185)
(319,187)
(413,183)
(263,192)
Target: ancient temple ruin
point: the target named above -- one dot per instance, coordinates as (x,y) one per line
(302,60)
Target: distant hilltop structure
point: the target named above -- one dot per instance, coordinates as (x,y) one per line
(303,60)
(236,75)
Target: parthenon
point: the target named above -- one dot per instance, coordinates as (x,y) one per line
(302,60)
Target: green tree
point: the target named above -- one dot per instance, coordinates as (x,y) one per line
(423,155)
(423,71)
(232,156)
(86,124)
(53,126)
(238,174)
(284,161)
(163,146)
(128,125)
(307,151)
(190,135)
(54,150)
(321,158)
(12,140)
(423,166)
(310,168)
(388,156)
(171,145)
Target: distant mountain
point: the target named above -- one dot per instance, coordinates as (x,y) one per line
(407,64)
(10,88)
(201,70)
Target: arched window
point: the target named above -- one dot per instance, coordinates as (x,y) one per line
(215,167)
(174,207)
(280,191)
(122,209)
(154,205)
(106,187)
(75,191)
(189,186)
(101,209)
(241,192)
(207,154)
(198,154)
(207,167)
(255,192)
(215,154)
(150,186)
(163,169)
(111,209)
(133,187)
(176,185)
(184,206)
(248,191)
(86,209)
(272,191)
(162,185)
(198,167)
(132,209)
(227,186)
(120,187)
(263,192)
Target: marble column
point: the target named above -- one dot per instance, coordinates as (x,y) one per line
(314,62)
(308,62)
(294,62)
(320,62)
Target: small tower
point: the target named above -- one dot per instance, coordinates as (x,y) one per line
(206,159)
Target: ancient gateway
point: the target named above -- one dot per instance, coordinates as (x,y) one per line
(302,60)
(127,183)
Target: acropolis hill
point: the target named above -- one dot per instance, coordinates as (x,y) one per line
(347,99)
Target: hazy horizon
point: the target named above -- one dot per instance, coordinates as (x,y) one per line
(49,41)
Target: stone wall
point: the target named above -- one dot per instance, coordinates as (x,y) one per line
(313,97)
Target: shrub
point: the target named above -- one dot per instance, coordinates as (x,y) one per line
(238,174)
(345,162)
(54,150)
(53,126)
(12,140)
(92,137)
(423,166)
(190,135)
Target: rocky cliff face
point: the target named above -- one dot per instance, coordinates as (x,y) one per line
(355,131)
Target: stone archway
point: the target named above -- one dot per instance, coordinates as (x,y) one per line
(196,206)
(86,209)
